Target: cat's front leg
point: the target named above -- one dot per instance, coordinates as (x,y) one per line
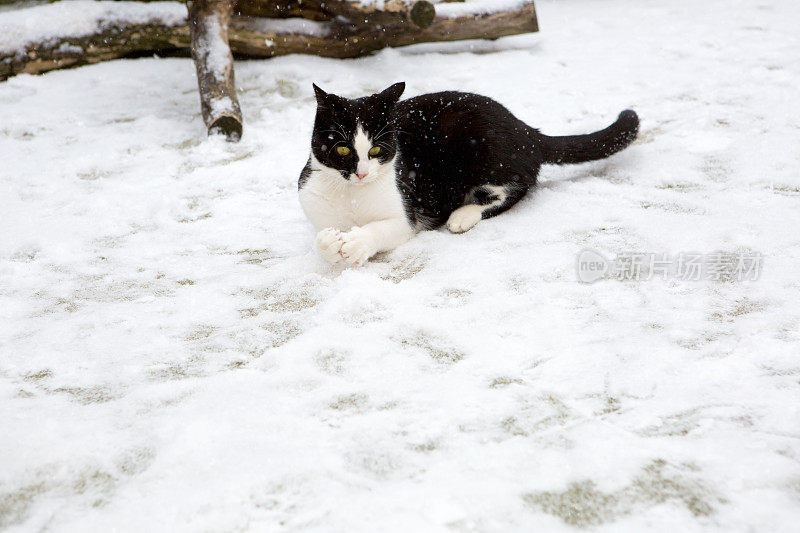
(362,242)
(329,243)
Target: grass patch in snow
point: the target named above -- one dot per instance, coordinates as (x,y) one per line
(583,505)
(433,347)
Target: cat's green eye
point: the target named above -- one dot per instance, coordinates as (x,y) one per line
(343,150)
(375,150)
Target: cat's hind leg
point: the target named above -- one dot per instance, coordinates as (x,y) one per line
(484,201)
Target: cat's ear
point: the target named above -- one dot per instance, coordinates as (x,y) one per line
(393,93)
(322,96)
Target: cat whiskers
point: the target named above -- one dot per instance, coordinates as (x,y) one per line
(341,129)
(338,143)
(378,135)
(390,132)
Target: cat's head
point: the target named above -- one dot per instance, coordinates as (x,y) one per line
(356,137)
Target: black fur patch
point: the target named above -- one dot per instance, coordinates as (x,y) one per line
(481,196)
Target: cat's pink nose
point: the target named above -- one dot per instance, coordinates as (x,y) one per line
(361,175)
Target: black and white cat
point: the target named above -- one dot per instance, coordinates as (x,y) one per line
(381,170)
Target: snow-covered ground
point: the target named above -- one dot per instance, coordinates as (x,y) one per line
(174,357)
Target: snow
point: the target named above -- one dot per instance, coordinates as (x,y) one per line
(457,8)
(221,106)
(291,25)
(216,50)
(76,18)
(175,357)
(477,7)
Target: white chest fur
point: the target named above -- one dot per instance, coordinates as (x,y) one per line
(330,201)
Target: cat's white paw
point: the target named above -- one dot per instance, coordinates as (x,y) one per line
(357,247)
(329,244)
(464,218)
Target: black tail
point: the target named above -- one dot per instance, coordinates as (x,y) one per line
(597,145)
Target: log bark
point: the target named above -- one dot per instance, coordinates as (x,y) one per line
(420,12)
(208,27)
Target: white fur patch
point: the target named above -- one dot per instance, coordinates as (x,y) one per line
(330,201)
(497,190)
(366,165)
(355,220)
(464,218)
(362,144)
(329,243)
(357,246)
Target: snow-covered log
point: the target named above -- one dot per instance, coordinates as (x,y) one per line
(78,32)
(259,37)
(38,39)
(208,26)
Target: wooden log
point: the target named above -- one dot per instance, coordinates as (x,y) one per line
(420,12)
(208,27)
(109,43)
(260,38)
